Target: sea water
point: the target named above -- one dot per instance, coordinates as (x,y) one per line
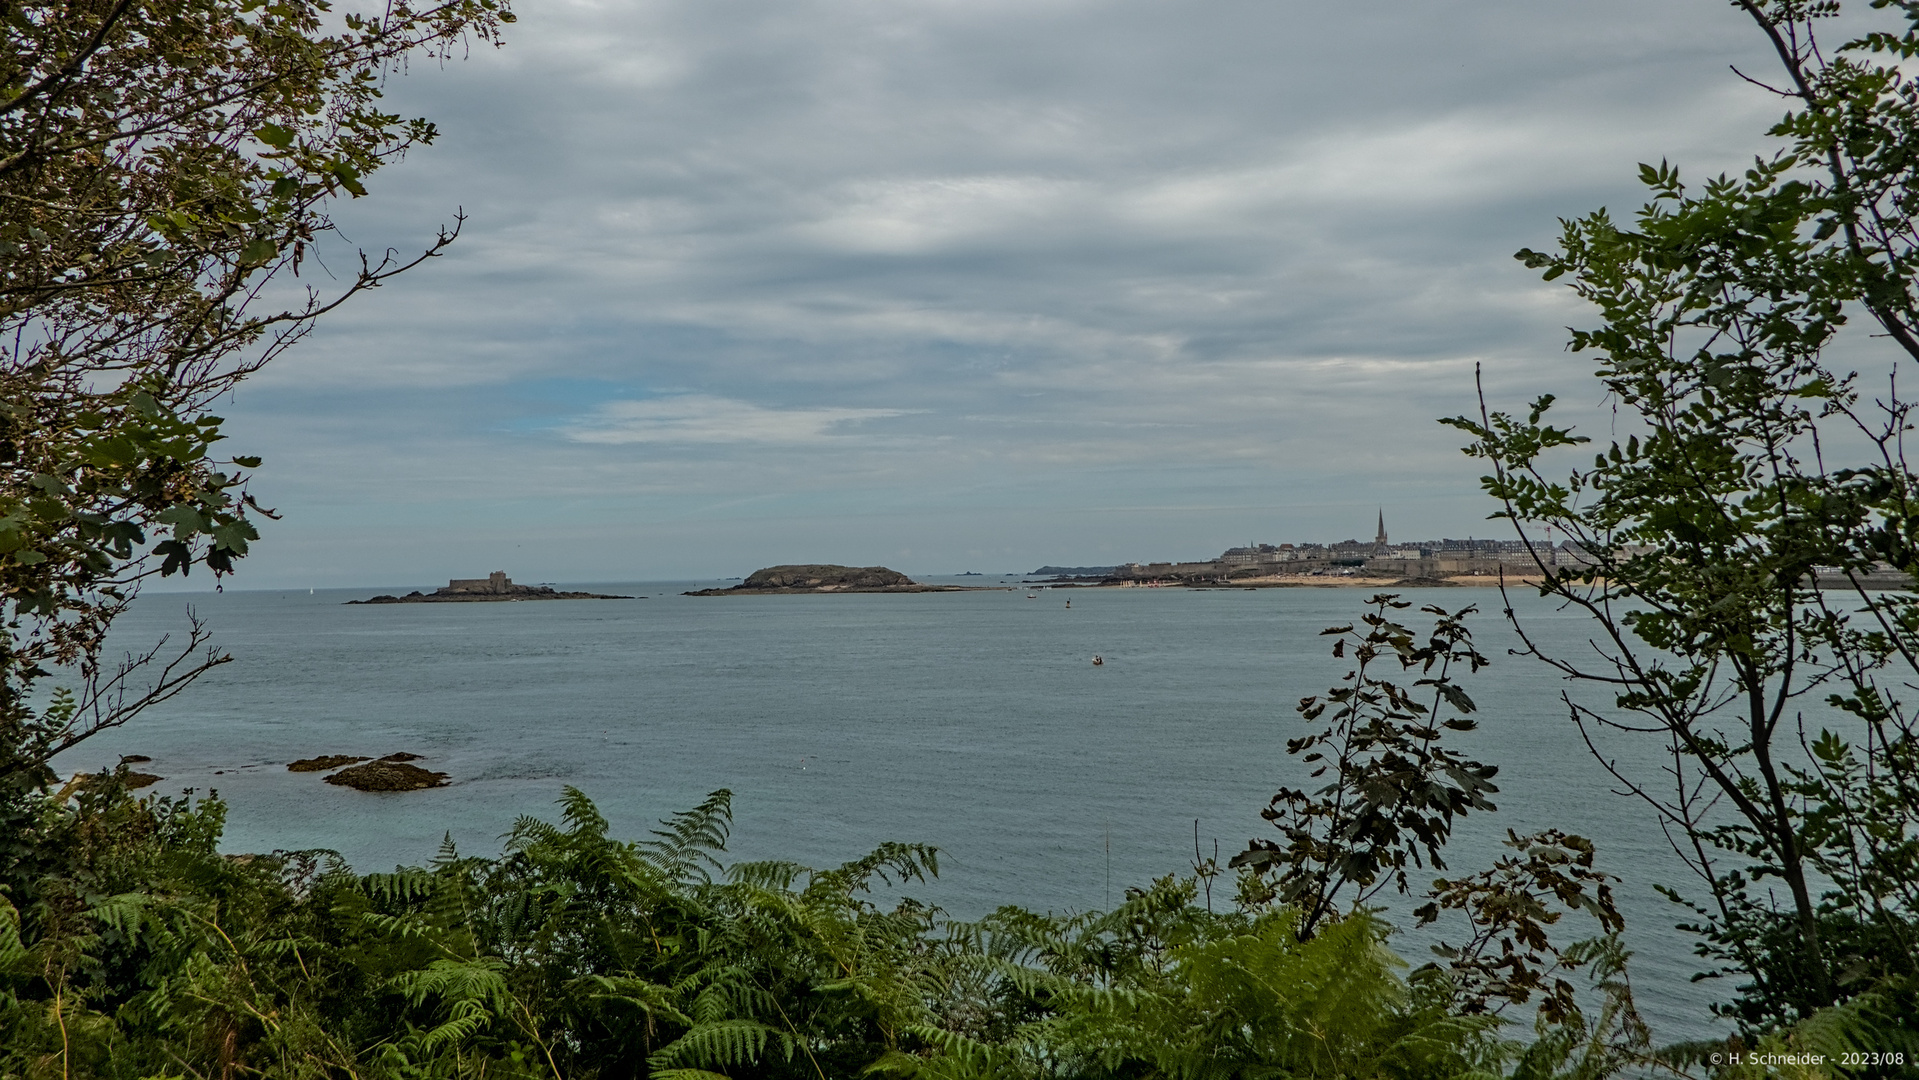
(973,721)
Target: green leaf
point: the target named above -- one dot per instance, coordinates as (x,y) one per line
(178,557)
(349,178)
(185,519)
(114,450)
(234,535)
(258,252)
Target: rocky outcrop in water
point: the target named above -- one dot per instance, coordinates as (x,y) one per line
(493,587)
(819,576)
(824,578)
(324,762)
(522,592)
(388,775)
(128,779)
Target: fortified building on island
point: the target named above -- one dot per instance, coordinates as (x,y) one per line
(494,584)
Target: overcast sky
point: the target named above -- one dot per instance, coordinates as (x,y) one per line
(965,284)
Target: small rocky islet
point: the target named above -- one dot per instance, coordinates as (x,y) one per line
(394,772)
(495,587)
(134,779)
(800,578)
(129,778)
(384,775)
(324,762)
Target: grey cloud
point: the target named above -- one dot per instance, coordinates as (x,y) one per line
(704,418)
(905,246)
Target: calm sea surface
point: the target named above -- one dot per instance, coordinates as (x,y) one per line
(972,721)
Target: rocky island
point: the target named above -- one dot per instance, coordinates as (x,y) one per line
(826,578)
(495,586)
(393,772)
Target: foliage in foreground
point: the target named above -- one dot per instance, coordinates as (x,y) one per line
(577,955)
(165,167)
(1732,528)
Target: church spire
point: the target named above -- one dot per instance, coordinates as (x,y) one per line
(1379,542)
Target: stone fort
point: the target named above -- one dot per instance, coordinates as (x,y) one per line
(496,583)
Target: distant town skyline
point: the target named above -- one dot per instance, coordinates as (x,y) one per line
(1394,548)
(947,287)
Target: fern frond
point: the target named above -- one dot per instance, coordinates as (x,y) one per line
(971,1056)
(466,1023)
(13,950)
(1866,1023)
(727,991)
(649,998)
(683,850)
(582,817)
(530,832)
(728,1043)
(122,913)
(401,886)
(481,981)
(772,875)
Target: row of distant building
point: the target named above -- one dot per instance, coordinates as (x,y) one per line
(1422,558)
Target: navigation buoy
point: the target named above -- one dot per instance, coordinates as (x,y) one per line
(1098,660)
(1069,603)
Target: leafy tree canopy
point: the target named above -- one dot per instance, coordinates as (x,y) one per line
(1727,540)
(161,163)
